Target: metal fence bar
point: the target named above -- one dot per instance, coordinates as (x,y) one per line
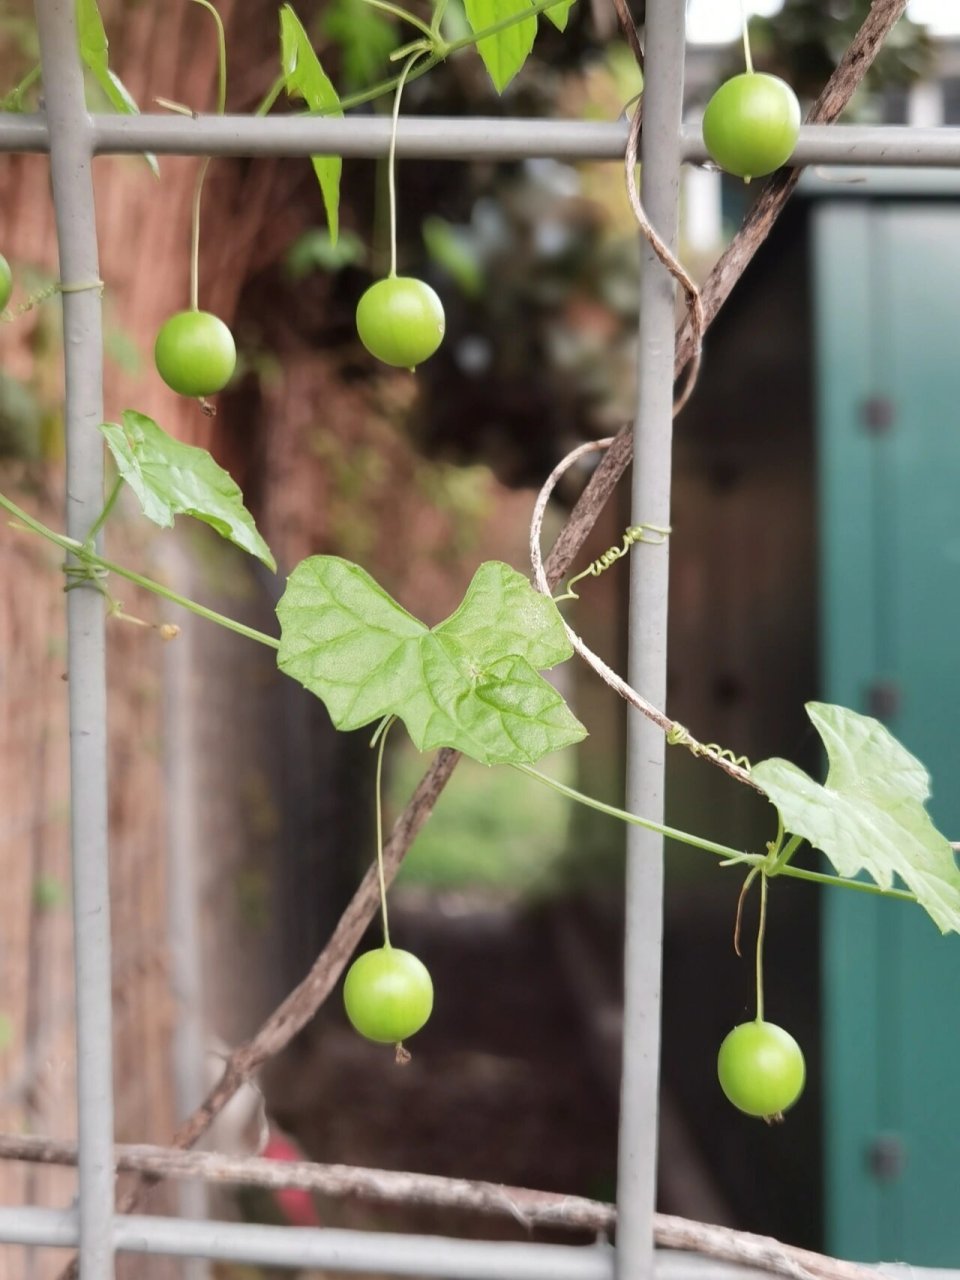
(457,139)
(286,1246)
(647,630)
(347,1252)
(71,162)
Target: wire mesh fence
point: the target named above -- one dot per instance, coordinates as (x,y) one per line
(72,138)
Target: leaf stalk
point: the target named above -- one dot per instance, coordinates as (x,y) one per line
(90,559)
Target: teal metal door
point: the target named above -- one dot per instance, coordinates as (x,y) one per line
(887,290)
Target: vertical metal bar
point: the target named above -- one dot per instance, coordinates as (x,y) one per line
(71,157)
(660,186)
(183,942)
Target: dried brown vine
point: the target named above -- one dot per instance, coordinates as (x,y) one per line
(532,1209)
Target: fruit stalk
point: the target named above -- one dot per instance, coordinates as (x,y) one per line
(745,26)
(761,933)
(383,731)
(392,159)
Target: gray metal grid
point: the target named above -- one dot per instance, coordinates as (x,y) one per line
(73,138)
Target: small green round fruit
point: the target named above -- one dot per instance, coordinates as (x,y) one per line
(195,353)
(751,124)
(6,282)
(388,994)
(400,321)
(761,1069)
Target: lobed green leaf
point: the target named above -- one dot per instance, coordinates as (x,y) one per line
(171,478)
(305,78)
(869,815)
(505,53)
(471,682)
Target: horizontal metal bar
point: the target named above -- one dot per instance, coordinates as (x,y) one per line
(342,1250)
(455,138)
(348,1252)
(23,133)
(673,1265)
(58,1228)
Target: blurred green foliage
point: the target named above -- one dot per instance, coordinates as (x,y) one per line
(365,37)
(21,420)
(49,893)
(316,250)
(492,829)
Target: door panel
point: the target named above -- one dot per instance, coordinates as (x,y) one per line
(888,335)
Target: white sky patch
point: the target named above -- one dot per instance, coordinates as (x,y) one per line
(718,21)
(941,16)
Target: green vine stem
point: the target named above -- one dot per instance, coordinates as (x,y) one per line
(439,9)
(363,96)
(404,15)
(104,515)
(761,934)
(90,560)
(202,174)
(863,886)
(784,854)
(672,833)
(272,94)
(13,101)
(733,856)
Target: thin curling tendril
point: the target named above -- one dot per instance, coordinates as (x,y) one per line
(680,736)
(653,534)
(44,295)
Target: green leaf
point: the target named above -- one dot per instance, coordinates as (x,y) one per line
(171,478)
(869,815)
(94,50)
(92,36)
(306,78)
(559,14)
(505,53)
(471,683)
